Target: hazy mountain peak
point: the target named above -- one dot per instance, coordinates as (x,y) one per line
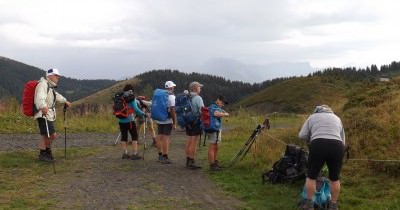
(235,70)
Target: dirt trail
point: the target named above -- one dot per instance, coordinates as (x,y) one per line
(104,181)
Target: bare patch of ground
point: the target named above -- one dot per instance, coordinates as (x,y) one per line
(105,181)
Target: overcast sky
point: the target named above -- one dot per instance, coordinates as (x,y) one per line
(120,38)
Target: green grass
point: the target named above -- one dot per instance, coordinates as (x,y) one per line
(23,179)
(362,186)
(13,121)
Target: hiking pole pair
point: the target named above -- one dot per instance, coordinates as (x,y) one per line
(48,142)
(204,141)
(246,147)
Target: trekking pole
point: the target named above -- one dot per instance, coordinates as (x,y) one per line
(65,132)
(144,136)
(240,155)
(116,140)
(200,138)
(249,147)
(48,138)
(204,141)
(245,146)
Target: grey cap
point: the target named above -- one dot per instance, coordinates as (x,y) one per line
(194,84)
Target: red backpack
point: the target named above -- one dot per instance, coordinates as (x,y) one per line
(28,105)
(121,108)
(205,117)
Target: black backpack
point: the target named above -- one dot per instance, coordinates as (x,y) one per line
(291,167)
(120,107)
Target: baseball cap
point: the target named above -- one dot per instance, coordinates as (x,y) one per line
(53,71)
(194,84)
(169,84)
(222,98)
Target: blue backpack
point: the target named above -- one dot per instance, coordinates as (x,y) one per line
(159,105)
(322,196)
(214,124)
(184,110)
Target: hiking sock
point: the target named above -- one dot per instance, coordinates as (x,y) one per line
(134,152)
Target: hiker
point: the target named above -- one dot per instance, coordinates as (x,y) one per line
(325,133)
(45,100)
(145,106)
(128,124)
(165,127)
(193,130)
(214,133)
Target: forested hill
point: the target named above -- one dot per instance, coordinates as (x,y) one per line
(14,74)
(213,85)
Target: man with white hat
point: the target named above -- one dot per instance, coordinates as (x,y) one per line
(165,127)
(45,102)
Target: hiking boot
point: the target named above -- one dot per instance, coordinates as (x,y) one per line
(333,206)
(45,157)
(191,165)
(154,144)
(307,205)
(217,163)
(136,157)
(160,158)
(126,156)
(49,154)
(215,167)
(166,161)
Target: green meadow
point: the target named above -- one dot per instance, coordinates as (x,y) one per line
(365,184)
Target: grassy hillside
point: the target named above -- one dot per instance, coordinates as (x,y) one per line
(372,120)
(297,95)
(104,97)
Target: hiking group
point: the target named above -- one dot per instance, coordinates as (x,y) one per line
(168,111)
(323,130)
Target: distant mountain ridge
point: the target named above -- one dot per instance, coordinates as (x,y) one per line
(213,85)
(146,83)
(14,74)
(236,70)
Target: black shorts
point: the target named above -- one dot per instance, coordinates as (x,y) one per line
(193,130)
(43,127)
(325,151)
(164,129)
(125,127)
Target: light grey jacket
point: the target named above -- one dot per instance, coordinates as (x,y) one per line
(44,97)
(323,124)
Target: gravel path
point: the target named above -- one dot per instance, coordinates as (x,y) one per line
(30,141)
(104,181)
